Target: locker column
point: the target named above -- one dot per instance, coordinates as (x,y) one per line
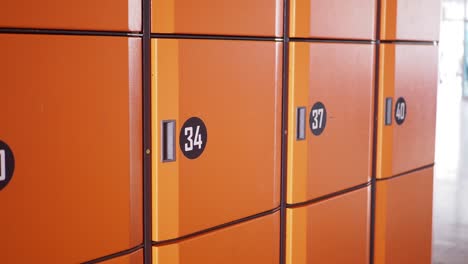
(330,131)
(406,131)
(71,114)
(216,113)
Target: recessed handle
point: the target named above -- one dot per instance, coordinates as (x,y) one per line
(168,140)
(388,111)
(301,123)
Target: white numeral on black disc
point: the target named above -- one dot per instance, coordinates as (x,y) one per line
(7,164)
(318,118)
(193,137)
(400,111)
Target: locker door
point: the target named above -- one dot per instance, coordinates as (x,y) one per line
(71,111)
(403,227)
(107,15)
(218,17)
(331,231)
(335,19)
(133,258)
(410,19)
(252,242)
(408,89)
(330,118)
(217,122)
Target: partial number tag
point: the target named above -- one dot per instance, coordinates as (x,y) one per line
(7,164)
(318,118)
(2,165)
(193,137)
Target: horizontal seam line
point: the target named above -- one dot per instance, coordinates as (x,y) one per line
(215,228)
(329,196)
(413,42)
(407,172)
(214,37)
(68,32)
(115,255)
(328,40)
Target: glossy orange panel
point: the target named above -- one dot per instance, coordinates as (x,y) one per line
(133,258)
(252,242)
(410,19)
(351,19)
(235,88)
(109,15)
(72,114)
(340,76)
(403,227)
(332,231)
(410,72)
(218,17)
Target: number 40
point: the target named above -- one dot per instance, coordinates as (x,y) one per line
(400,111)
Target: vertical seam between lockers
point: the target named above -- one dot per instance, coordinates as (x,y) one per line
(284,132)
(147,151)
(378,18)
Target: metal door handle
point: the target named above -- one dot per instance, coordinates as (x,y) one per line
(168,140)
(388,111)
(300,123)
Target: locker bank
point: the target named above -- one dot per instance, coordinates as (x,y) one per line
(164,131)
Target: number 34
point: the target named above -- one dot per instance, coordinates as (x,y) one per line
(188,132)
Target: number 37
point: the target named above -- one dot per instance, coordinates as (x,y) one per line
(317,114)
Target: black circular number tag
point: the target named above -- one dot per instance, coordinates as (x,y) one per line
(318,118)
(400,111)
(193,138)
(7,164)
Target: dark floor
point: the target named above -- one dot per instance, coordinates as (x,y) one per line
(450,237)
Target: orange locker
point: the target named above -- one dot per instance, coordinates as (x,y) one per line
(108,15)
(252,242)
(71,111)
(407,98)
(331,231)
(133,258)
(218,17)
(410,20)
(330,118)
(217,131)
(403,227)
(351,19)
